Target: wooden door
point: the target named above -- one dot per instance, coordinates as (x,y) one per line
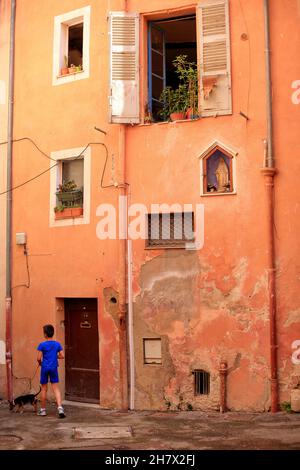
(82,350)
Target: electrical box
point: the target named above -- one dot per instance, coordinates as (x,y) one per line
(21,238)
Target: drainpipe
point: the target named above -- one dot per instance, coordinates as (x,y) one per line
(223,375)
(8,307)
(122,270)
(130,326)
(269,172)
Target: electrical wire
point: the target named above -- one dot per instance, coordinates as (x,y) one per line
(33,143)
(56,164)
(28,272)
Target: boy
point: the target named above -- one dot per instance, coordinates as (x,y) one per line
(49,352)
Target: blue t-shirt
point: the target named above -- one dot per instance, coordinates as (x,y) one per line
(49,349)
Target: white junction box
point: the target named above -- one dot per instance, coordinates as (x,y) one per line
(21,238)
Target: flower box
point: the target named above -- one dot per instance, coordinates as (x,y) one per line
(69,213)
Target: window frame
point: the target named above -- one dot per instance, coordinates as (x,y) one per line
(168,243)
(60,43)
(55,180)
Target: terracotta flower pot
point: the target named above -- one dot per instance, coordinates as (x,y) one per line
(69,213)
(177,116)
(64,71)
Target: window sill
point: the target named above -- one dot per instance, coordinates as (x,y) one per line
(70,74)
(168,122)
(164,247)
(215,193)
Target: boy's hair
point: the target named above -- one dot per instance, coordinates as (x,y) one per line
(48,330)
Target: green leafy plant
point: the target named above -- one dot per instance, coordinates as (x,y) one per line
(66,61)
(185,96)
(67,186)
(286,406)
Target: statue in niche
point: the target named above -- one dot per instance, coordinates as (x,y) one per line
(222,175)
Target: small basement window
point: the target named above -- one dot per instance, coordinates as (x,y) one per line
(170,229)
(152,351)
(201,382)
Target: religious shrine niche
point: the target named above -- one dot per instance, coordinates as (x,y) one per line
(217,172)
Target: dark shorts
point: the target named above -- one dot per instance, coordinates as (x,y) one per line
(47,374)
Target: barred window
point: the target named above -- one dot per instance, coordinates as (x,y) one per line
(201,382)
(171,229)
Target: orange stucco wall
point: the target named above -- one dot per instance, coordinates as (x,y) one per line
(207,306)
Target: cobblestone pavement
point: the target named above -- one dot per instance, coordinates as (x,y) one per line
(147,430)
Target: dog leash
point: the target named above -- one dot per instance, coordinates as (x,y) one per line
(30,379)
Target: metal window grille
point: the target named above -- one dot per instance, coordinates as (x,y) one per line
(171,229)
(201,382)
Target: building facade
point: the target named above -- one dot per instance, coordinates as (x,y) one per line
(148,322)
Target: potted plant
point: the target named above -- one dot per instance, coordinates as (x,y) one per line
(181,102)
(65,70)
(70,199)
(72,68)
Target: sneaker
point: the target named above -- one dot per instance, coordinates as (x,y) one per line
(61,412)
(42,412)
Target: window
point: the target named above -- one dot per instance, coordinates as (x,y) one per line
(201,382)
(218,171)
(71,46)
(167,39)
(152,351)
(175,36)
(172,230)
(70,187)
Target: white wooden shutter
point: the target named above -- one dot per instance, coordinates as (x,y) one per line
(215,72)
(124,67)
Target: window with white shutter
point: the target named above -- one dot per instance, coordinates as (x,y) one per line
(214,51)
(124,67)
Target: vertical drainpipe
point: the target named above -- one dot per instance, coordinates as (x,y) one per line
(122,270)
(8,302)
(8,306)
(269,172)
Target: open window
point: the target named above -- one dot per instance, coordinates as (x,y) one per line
(202,38)
(70,181)
(167,39)
(71,46)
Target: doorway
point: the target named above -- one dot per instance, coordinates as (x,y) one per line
(82,350)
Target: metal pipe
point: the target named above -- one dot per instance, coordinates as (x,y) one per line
(8,302)
(269,173)
(270,158)
(122,272)
(130,326)
(223,375)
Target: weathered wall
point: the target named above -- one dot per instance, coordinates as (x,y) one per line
(207,306)
(285,43)
(4,53)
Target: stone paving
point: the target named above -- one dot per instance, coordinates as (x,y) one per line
(147,430)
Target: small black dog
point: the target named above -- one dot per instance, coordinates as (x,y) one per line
(23,400)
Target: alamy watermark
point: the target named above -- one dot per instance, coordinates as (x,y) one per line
(296,354)
(174,222)
(296,93)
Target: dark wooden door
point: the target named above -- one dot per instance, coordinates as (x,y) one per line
(82,350)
